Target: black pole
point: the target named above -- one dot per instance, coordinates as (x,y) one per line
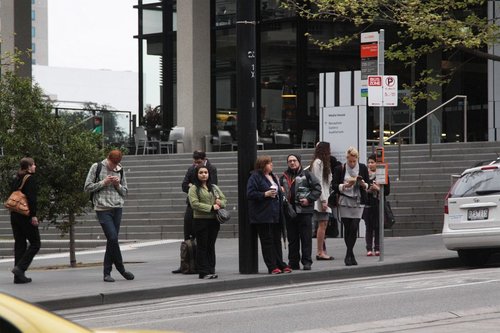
(246,69)
(167,95)
(140,58)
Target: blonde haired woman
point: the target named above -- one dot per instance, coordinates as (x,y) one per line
(350,182)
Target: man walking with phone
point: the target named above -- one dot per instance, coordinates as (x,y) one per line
(108,184)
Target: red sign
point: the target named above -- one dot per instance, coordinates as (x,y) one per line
(369,50)
(374,81)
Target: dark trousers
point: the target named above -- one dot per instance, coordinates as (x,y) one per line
(188,223)
(23,231)
(350,234)
(299,232)
(206,231)
(270,243)
(372,235)
(110,221)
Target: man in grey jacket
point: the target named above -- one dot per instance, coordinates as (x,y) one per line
(302,189)
(109,187)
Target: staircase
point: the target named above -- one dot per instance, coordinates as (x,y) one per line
(155,205)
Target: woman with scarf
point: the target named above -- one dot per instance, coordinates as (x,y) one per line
(350,182)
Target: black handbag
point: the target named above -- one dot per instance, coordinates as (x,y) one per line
(222,215)
(332,228)
(389,219)
(333,199)
(288,210)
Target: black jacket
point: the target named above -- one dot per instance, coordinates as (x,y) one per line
(339,175)
(374,201)
(260,208)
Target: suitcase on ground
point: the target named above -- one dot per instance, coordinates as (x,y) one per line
(188,256)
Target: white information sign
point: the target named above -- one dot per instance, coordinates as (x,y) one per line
(382,90)
(342,127)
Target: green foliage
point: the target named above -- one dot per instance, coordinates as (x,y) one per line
(63,151)
(422,27)
(152,116)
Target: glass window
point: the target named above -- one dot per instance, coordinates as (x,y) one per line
(225,71)
(272,10)
(33,32)
(33,47)
(278,78)
(152,72)
(152,21)
(225,12)
(33,15)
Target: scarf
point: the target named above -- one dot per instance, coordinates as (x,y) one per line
(352,172)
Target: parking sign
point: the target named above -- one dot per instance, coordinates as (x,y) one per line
(382,90)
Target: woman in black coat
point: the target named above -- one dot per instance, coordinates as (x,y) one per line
(25,228)
(350,182)
(264,209)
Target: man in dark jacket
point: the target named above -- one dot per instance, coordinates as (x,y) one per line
(302,189)
(199,158)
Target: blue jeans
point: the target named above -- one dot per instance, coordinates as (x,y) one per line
(110,222)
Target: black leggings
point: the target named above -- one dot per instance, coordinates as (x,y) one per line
(350,233)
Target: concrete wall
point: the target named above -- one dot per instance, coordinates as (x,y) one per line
(193,71)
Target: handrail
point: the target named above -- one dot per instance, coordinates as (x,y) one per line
(429,130)
(432,111)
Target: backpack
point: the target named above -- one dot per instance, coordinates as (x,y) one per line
(96,179)
(188,256)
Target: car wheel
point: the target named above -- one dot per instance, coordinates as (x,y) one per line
(474,258)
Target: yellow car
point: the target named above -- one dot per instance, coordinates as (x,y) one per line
(17,316)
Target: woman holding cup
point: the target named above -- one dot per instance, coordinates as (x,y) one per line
(264,209)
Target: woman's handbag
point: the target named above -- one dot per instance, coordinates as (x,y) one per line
(222,215)
(290,213)
(389,219)
(333,199)
(332,228)
(17,201)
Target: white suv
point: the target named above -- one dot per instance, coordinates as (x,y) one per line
(472,214)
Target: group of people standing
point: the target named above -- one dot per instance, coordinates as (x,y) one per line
(307,191)
(353,185)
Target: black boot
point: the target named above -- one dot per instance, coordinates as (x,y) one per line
(347,260)
(19,277)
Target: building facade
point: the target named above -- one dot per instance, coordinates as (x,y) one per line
(188,66)
(39,33)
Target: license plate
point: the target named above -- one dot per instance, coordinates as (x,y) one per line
(477,214)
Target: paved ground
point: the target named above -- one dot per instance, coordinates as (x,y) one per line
(56,287)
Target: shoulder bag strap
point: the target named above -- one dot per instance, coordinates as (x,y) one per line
(24,181)
(98,172)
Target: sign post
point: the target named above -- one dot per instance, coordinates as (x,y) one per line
(369,58)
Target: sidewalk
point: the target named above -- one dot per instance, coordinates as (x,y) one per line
(152,262)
